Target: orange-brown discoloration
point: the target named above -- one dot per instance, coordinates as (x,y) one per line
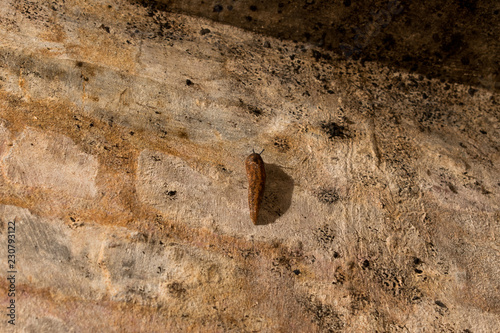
(256,174)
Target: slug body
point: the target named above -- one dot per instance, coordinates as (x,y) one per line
(256,174)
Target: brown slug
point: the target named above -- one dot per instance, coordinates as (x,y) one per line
(256,174)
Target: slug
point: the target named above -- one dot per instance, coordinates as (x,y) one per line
(256,174)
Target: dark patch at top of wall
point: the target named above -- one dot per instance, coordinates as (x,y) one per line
(456,41)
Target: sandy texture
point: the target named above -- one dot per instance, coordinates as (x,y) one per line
(123,135)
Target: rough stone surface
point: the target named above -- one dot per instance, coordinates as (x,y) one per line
(455,40)
(39,160)
(123,134)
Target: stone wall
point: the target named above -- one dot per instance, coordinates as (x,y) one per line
(123,135)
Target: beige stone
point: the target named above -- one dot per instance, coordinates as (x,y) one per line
(123,135)
(50,161)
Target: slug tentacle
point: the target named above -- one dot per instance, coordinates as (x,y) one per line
(256,174)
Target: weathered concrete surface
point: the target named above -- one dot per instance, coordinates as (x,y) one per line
(123,134)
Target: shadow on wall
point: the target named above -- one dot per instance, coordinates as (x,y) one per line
(277,195)
(450,40)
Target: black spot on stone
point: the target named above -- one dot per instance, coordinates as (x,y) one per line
(248,18)
(176,289)
(418,271)
(218,8)
(325,236)
(452,188)
(318,55)
(327,196)
(253,8)
(334,131)
(204,31)
(417,261)
(441,304)
(281,144)
(79,64)
(365,263)
(105,28)
(189,82)
(296,272)
(483,132)
(347,3)
(325,316)
(254,110)
(472,91)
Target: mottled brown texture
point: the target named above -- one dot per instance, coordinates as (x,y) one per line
(256,173)
(122,137)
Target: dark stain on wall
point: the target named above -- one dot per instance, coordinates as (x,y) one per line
(455,41)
